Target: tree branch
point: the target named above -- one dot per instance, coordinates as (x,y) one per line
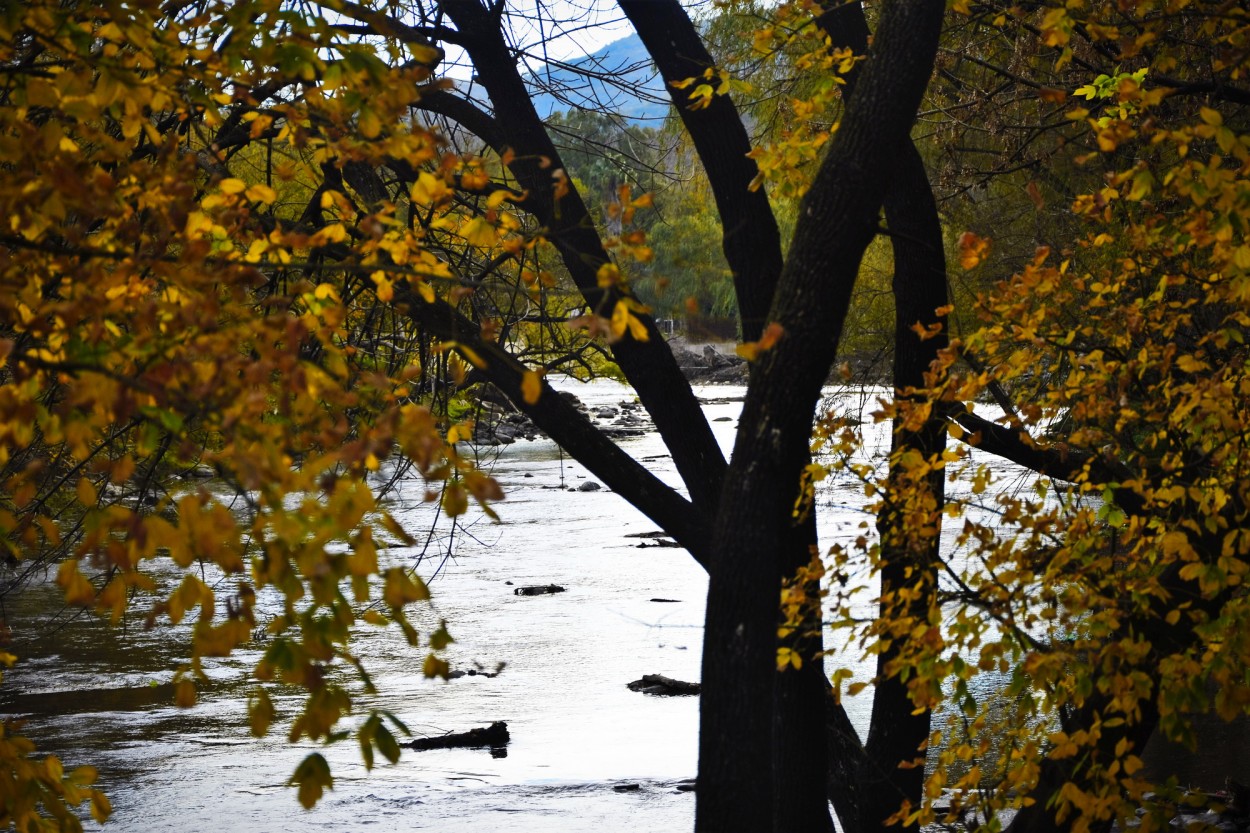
(648,365)
(751,240)
(566,426)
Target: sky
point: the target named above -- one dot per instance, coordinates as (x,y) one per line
(559,30)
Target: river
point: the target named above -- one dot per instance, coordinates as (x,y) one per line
(587,754)
(98,695)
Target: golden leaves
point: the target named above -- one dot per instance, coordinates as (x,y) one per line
(180,335)
(973,249)
(531,386)
(789,658)
(751,350)
(625,319)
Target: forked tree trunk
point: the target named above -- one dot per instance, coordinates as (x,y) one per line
(838,219)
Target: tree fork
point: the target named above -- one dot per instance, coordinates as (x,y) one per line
(837,221)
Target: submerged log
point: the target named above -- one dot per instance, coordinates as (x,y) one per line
(662,686)
(538,589)
(494,735)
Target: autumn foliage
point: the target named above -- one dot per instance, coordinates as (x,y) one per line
(166,310)
(273,246)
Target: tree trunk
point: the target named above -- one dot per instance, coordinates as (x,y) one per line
(909,553)
(801,751)
(897,732)
(838,219)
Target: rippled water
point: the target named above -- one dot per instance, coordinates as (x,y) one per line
(101,696)
(98,695)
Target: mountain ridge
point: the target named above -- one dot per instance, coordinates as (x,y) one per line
(608,80)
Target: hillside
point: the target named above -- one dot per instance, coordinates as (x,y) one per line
(618,78)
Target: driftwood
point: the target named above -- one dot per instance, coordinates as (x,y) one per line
(538,589)
(663,686)
(494,735)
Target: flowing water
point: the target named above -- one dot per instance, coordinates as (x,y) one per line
(93,694)
(587,754)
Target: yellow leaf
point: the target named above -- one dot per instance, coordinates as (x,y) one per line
(619,322)
(531,386)
(637,328)
(260,712)
(435,667)
(455,500)
(369,123)
(400,588)
(261,193)
(313,777)
(478,232)
(429,190)
(101,807)
(1190,364)
(232,186)
(256,251)
(385,288)
(497,198)
(608,275)
(334,233)
(78,591)
(87,494)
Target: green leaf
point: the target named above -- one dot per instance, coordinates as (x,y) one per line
(313,778)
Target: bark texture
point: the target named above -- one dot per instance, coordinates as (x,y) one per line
(838,219)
